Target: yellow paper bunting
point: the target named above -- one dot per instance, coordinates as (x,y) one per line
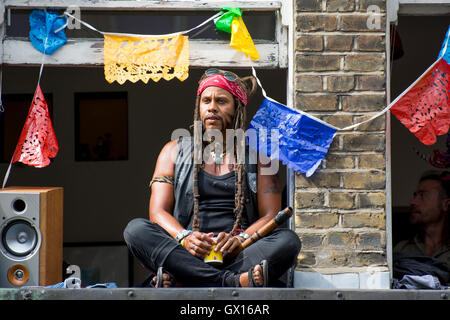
(241,39)
(144,58)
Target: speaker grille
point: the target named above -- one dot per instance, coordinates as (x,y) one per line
(19,238)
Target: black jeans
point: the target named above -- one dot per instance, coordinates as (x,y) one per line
(155,247)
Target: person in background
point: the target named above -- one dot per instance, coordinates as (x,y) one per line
(428,251)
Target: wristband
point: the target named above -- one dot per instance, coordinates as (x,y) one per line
(183,234)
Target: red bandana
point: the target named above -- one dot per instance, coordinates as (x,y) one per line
(219,80)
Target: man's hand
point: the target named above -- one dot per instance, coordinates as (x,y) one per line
(199,244)
(225,242)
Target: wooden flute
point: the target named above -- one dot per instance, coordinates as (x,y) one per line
(278,220)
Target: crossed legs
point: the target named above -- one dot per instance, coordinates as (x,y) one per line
(154,247)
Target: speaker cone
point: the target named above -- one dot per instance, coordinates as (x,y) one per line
(19,238)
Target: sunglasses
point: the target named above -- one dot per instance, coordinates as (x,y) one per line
(227,75)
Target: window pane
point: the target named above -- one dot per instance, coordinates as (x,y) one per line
(260,24)
(101,126)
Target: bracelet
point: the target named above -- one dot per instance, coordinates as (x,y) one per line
(182,242)
(183,234)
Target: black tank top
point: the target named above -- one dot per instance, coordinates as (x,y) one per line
(216,202)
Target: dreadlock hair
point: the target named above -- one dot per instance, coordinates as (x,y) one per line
(239,119)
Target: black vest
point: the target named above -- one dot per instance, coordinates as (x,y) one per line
(183,184)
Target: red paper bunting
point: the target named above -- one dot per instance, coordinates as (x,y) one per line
(37,142)
(424,109)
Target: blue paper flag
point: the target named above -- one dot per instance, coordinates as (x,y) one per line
(42,33)
(303,141)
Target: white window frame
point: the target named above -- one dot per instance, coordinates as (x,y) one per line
(395,8)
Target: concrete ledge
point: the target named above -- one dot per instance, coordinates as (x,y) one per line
(362,280)
(219,294)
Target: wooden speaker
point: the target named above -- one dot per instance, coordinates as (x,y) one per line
(31,236)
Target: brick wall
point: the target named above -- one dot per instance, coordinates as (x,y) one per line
(340,78)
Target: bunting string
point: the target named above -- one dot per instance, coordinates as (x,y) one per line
(292,121)
(217,15)
(315,118)
(43,113)
(378,114)
(222,13)
(444,49)
(303,140)
(8,171)
(299,111)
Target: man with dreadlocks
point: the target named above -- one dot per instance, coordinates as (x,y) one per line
(200,199)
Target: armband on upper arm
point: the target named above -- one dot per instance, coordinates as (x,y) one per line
(164,179)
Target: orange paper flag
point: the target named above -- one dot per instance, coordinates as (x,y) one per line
(145,58)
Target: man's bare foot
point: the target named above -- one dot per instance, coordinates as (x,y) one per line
(257,275)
